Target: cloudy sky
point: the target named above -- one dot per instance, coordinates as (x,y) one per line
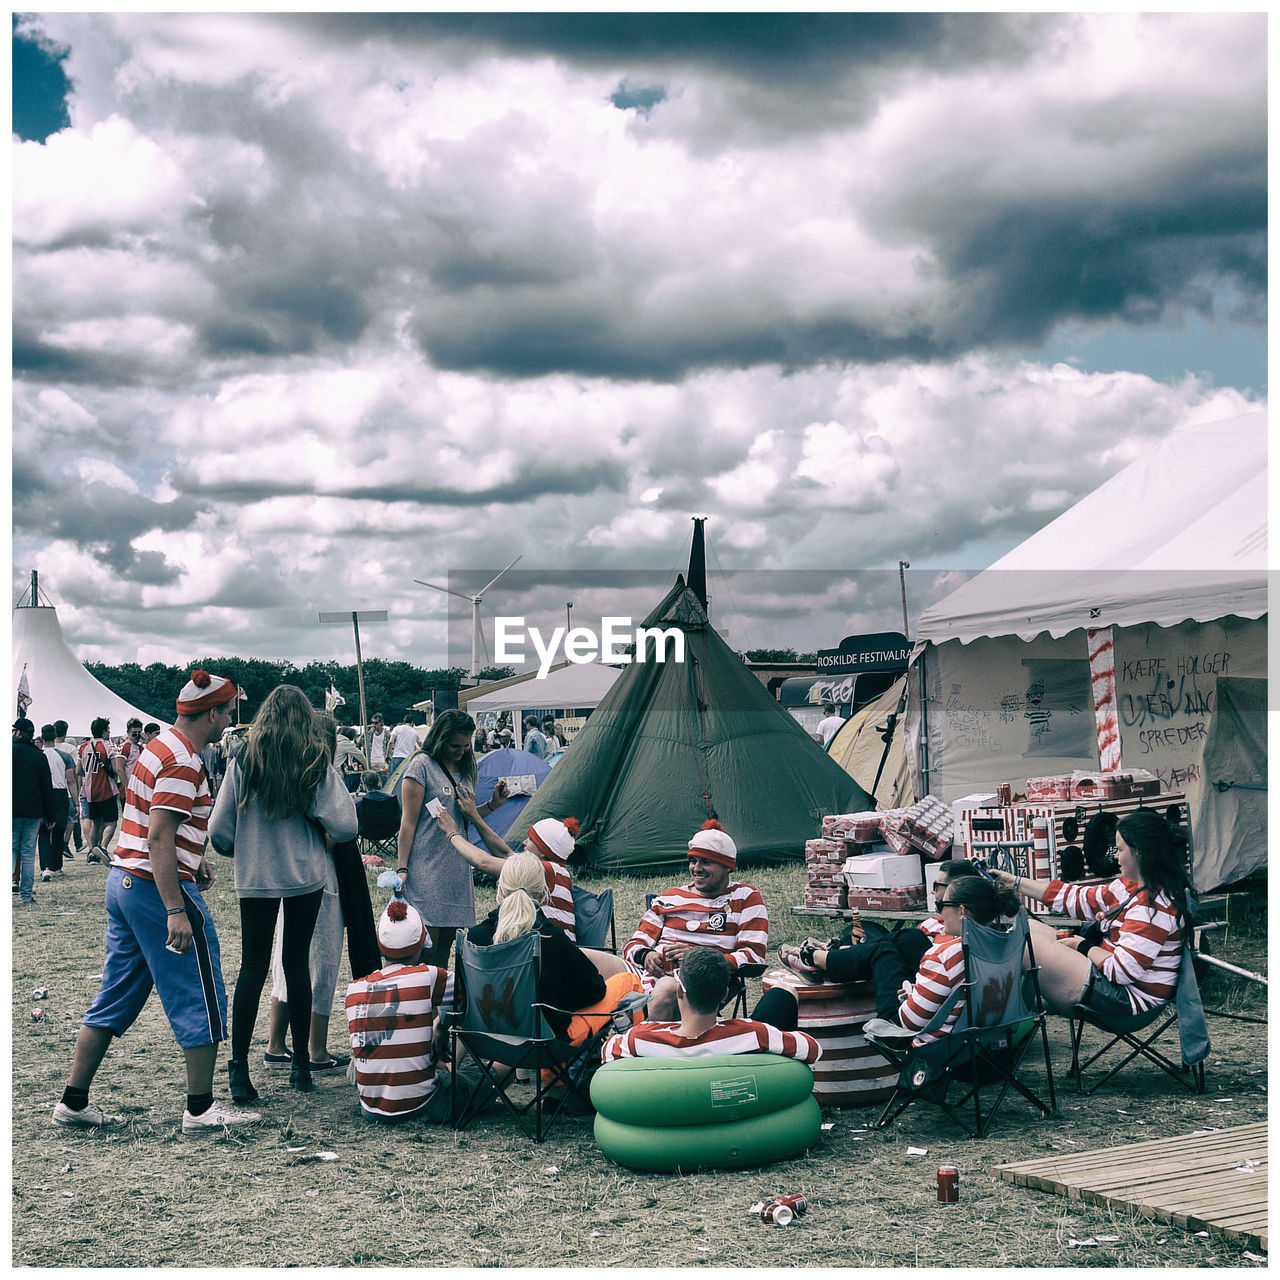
(308,306)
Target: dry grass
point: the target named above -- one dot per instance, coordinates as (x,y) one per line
(488,1197)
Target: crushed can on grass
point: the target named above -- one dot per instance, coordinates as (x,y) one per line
(948,1184)
(40,993)
(37,1015)
(796,1203)
(774,1211)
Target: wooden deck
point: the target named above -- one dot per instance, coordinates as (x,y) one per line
(1215,1181)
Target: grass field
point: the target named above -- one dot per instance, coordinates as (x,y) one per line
(423,1196)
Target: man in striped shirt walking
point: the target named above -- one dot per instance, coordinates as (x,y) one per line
(159,930)
(701,982)
(712,910)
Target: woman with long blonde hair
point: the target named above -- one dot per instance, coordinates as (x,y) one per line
(571,978)
(280,800)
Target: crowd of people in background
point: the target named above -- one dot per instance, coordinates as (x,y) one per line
(277,799)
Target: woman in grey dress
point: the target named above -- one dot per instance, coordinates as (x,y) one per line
(436,878)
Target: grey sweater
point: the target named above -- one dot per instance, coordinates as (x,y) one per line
(280,857)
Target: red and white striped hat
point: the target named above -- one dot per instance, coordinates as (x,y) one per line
(712,842)
(553,838)
(203,691)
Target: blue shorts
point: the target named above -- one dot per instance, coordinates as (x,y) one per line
(190,985)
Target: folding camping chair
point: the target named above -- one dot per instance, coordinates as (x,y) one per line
(379,823)
(593,919)
(996,1027)
(498,1019)
(1186,1009)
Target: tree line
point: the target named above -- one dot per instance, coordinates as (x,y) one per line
(389,687)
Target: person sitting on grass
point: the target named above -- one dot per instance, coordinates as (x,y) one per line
(391,1015)
(702,982)
(868,952)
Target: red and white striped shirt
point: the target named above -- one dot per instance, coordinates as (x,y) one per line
(558,907)
(729,1035)
(1143,941)
(391,1015)
(736,922)
(941,971)
(932,926)
(169,774)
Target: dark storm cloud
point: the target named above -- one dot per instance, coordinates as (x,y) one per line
(44,362)
(800,48)
(101,520)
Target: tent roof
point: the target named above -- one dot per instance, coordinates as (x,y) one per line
(674,743)
(61,688)
(1180,533)
(580,684)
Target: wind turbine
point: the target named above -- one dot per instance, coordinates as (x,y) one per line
(476,630)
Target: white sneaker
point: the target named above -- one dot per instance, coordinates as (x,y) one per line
(219,1116)
(90,1118)
(46,875)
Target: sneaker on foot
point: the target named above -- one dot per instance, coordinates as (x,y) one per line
(277,1061)
(46,875)
(219,1116)
(90,1118)
(333,1063)
(792,954)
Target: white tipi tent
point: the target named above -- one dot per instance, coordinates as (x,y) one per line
(1170,557)
(60,687)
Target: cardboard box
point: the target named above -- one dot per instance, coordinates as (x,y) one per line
(884,871)
(905,898)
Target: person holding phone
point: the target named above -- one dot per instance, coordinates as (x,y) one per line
(436,878)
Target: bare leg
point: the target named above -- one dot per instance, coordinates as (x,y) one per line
(606,963)
(277,1026)
(320,1037)
(92,1044)
(663,1006)
(1063,970)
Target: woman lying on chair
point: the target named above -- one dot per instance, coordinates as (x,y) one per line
(942,968)
(1129,959)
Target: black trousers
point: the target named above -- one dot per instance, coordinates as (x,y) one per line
(257,928)
(886,960)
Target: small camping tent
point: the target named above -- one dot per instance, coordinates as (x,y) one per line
(860,750)
(506,762)
(1160,573)
(61,689)
(675,743)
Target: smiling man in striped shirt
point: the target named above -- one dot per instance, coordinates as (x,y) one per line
(159,930)
(712,910)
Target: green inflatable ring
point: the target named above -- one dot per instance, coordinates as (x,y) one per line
(737,1144)
(677,1092)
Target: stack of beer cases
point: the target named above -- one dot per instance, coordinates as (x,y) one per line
(824,861)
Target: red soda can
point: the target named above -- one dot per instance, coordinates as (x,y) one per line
(1064,933)
(948,1184)
(796,1203)
(37,1015)
(781,1215)
(1004,793)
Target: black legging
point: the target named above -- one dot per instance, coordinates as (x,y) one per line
(887,960)
(779,1008)
(257,928)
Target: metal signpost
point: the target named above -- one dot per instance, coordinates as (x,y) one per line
(356,617)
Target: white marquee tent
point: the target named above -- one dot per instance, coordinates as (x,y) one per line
(1170,554)
(61,689)
(579,684)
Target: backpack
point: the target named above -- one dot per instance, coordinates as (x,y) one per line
(99,784)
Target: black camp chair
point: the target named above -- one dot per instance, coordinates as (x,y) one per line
(593,919)
(498,1019)
(996,1027)
(1140,1032)
(379,815)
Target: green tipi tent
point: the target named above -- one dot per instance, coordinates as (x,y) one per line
(673,744)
